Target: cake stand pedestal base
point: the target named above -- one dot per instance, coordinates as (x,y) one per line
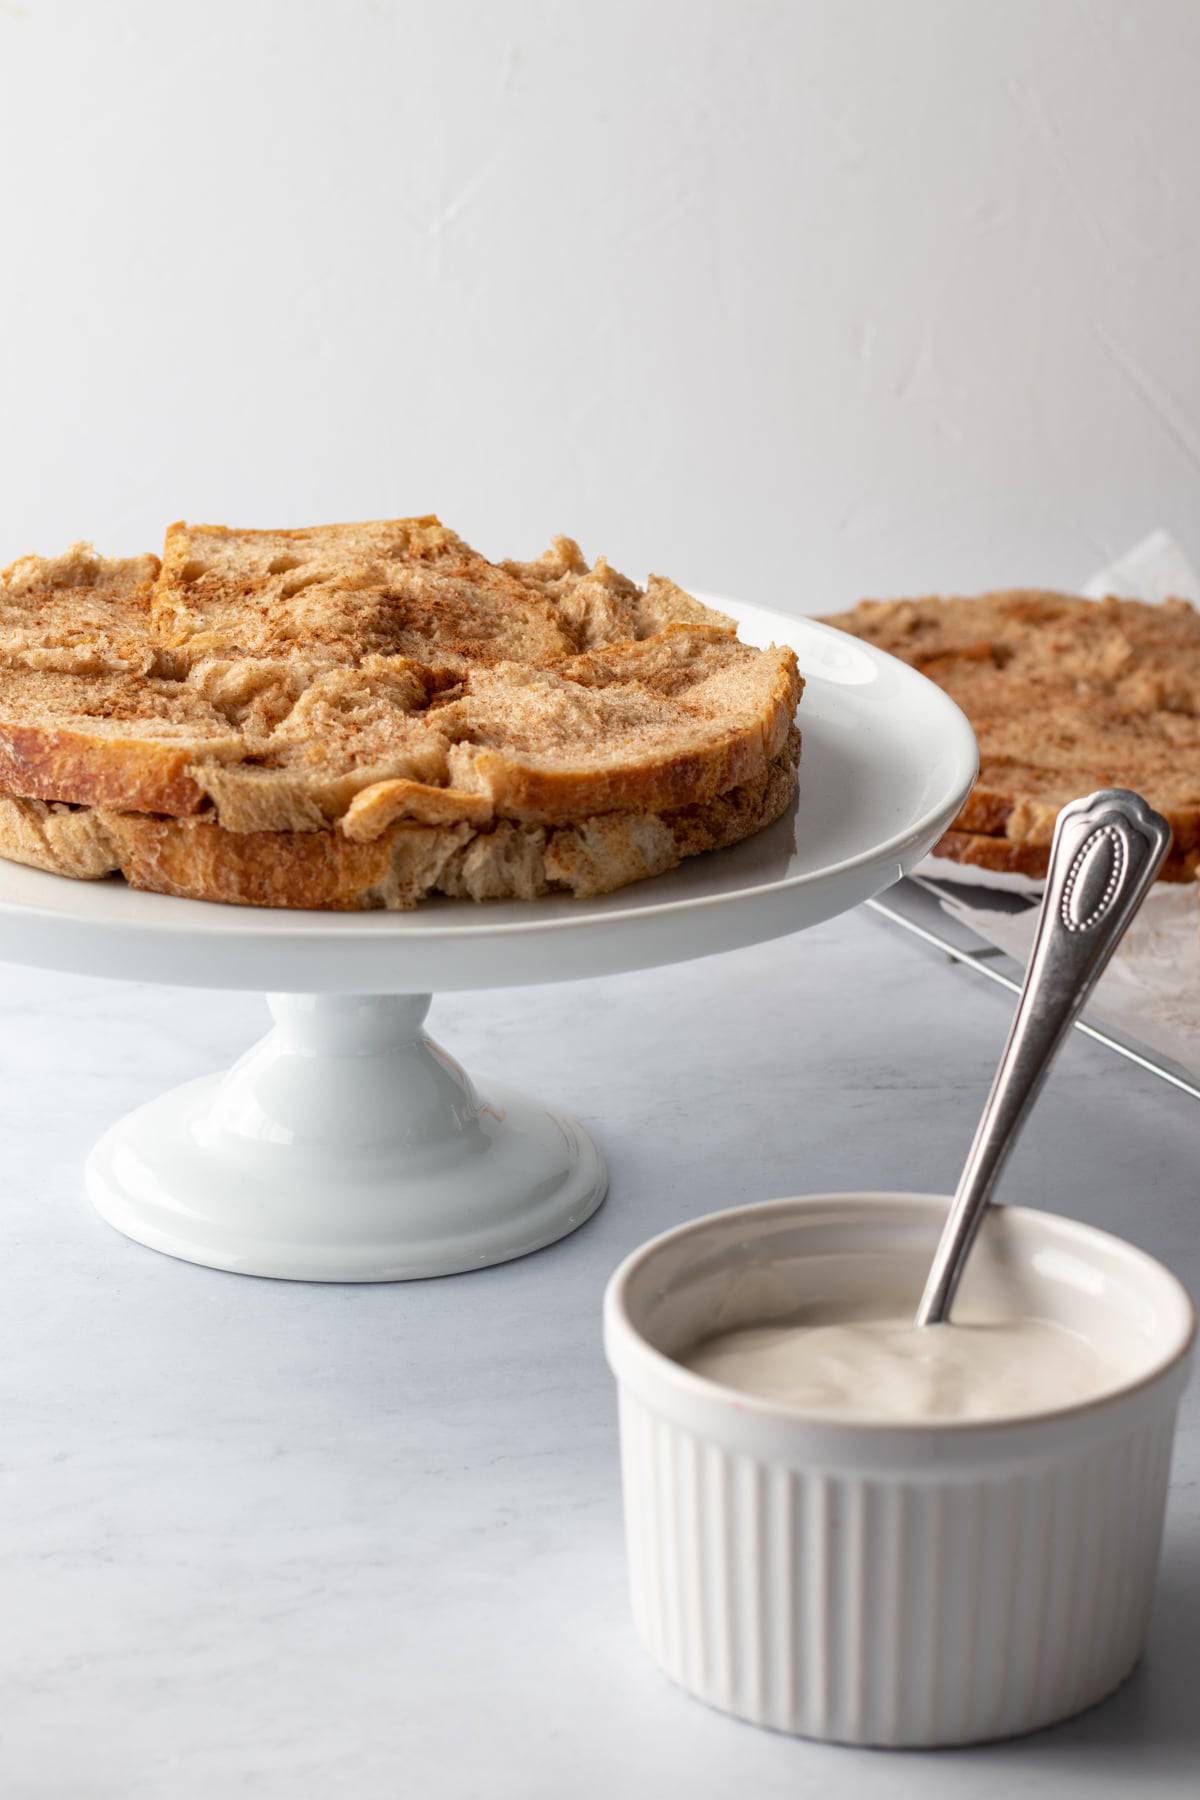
(346,1146)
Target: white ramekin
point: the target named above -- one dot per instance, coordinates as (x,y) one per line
(891,1584)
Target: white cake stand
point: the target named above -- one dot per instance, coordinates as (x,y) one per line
(346,1146)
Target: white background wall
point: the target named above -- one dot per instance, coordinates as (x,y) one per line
(798,300)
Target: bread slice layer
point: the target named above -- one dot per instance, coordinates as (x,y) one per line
(267,680)
(400,866)
(1065,696)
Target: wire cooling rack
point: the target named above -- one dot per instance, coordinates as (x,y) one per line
(913,904)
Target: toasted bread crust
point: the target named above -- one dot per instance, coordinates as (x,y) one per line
(198,859)
(124,774)
(376,807)
(201,860)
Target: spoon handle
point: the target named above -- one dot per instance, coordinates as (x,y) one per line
(1106,852)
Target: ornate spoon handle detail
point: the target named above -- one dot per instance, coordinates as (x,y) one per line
(1107,851)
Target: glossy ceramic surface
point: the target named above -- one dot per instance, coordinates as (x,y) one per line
(346,1146)
(893,1584)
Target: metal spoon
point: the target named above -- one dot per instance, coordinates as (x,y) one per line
(1106,852)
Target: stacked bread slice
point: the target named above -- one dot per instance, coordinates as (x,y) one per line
(363,715)
(1065,695)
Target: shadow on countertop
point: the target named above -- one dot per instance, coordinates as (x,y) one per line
(1146,1732)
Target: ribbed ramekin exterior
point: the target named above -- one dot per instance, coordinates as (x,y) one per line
(888,1607)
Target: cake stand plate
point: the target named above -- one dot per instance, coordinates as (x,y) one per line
(347,1146)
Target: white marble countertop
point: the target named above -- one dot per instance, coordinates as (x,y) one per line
(270,1539)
